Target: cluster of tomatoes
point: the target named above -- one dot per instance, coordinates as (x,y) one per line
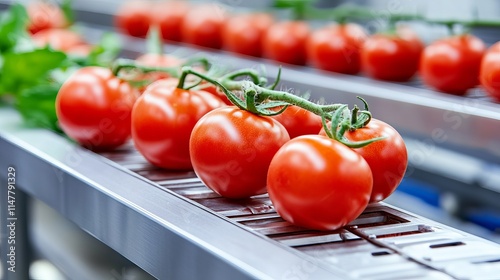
(452,65)
(49,26)
(180,123)
(235,152)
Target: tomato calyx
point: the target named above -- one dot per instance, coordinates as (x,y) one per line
(341,122)
(359,118)
(135,70)
(260,99)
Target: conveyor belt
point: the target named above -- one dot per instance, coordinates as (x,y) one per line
(172,226)
(383,243)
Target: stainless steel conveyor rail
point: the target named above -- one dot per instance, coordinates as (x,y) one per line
(163,233)
(173,227)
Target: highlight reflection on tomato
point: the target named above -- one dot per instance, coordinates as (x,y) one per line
(162,120)
(337,48)
(319,183)
(286,42)
(298,121)
(452,64)
(94,108)
(231,150)
(392,57)
(244,34)
(202,26)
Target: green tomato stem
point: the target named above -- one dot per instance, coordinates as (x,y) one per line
(154,42)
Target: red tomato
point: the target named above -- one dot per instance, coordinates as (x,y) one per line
(392,57)
(162,120)
(387,158)
(134,18)
(94,108)
(318,183)
(298,121)
(43,16)
(58,39)
(490,72)
(231,150)
(203,25)
(286,42)
(169,17)
(157,60)
(337,48)
(215,91)
(452,65)
(244,34)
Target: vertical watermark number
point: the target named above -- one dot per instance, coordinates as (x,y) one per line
(11,219)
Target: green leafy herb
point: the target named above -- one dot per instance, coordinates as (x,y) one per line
(37,105)
(13,25)
(104,53)
(68,11)
(26,69)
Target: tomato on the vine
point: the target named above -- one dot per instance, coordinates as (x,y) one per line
(58,39)
(169,17)
(203,25)
(94,108)
(231,150)
(244,34)
(490,72)
(215,91)
(392,57)
(298,121)
(337,48)
(162,120)
(286,42)
(452,64)
(319,183)
(387,158)
(135,17)
(157,60)
(43,15)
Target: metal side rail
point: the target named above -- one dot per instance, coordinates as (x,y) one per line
(174,227)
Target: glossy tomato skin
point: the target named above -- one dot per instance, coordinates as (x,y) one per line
(286,42)
(43,16)
(94,108)
(134,18)
(452,64)
(298,121)
(202,26)
(231,150)
(162,120)
(318,183)
(337,48)
(169,17)
(215,91)
(490,72)
(59,39)
(392,57)
(387,158)
(244,34)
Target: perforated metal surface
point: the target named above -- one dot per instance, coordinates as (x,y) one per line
(382,243)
